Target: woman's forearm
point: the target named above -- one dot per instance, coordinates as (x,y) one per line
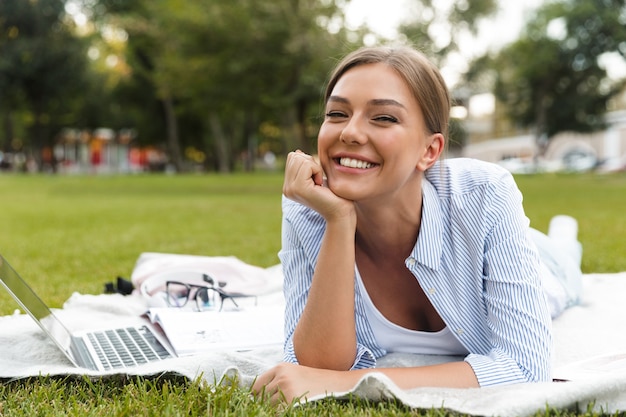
(447,375)
(325,336)
(450,375)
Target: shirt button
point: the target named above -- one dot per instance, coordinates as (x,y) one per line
(412,261)
(459,331)
(432,291)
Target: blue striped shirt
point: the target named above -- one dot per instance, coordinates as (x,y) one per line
(473,259)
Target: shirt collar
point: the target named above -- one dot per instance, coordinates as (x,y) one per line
(429,244)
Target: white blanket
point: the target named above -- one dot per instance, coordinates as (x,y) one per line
(590,350)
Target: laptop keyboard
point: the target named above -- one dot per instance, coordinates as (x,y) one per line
(131,346)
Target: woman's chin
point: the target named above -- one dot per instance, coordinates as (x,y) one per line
(346,191)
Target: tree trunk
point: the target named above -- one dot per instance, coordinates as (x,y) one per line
(41,154)
(220,142)
(8,132)
(301,127)
(294,138)
(250,140)
(173,140)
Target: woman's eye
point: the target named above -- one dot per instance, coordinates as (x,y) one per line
(334,114)
(386,119)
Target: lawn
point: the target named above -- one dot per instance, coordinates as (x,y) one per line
(66,234)
(597,201)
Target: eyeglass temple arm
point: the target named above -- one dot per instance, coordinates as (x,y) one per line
(223,295)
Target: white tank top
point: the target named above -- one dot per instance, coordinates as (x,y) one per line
(394,338)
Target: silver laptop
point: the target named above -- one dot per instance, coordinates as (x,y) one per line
(102,349)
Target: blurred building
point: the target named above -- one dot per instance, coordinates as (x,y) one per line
(520,153)
(104,151)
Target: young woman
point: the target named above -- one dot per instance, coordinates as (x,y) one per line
(387,249)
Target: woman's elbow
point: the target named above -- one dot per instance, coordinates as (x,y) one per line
(325,359)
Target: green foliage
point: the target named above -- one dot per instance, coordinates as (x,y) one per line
(436,29)
(227,67)
(42,67)
(233,78)
(551,79)
(204,75)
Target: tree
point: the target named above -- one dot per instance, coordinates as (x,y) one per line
(42,65)
(317,36)
(270,70)
(437,27)
(552,78)
(229,67)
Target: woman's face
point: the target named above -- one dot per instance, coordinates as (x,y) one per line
(373,142)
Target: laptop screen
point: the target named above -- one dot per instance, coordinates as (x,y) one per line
(22,293)
(33,305)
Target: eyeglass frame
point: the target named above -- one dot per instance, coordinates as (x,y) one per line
(209,280)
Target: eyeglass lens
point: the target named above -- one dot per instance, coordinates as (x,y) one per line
(179,293)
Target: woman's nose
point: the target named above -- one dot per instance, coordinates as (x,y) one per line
(354,133)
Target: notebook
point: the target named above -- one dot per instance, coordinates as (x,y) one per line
(102,349)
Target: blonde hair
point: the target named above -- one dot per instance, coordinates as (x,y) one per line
(420,74)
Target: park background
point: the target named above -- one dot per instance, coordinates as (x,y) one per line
(161,125)
(106,86)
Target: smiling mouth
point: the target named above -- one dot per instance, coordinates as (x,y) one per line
(355,163)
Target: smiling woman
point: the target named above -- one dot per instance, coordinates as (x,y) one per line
(400,252)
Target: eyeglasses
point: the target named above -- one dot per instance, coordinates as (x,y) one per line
(179,293)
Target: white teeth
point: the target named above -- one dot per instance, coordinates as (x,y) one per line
(355,163)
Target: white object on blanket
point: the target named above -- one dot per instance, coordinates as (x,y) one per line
(152,270)
(191,332)
(589,344)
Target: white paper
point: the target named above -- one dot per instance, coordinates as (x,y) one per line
(191,331)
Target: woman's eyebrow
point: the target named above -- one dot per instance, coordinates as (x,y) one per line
(386,102)
(338,99)
(373,102)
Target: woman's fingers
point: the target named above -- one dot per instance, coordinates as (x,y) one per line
(301,172)
(298,152)
(316,169)
(305,183)
(283,383)
(262,381)
(267,387)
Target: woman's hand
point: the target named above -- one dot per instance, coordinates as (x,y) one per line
(304,183)
(287,381)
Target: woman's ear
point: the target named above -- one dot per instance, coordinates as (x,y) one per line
(434,147)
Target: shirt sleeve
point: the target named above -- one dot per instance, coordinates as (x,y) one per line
(517,317)
(302,232)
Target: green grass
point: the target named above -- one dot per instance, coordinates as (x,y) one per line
(598,202)
(162,396)
(66,234)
